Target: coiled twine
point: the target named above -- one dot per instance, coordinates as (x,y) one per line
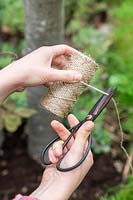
(62,96)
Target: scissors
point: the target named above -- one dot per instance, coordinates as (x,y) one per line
(91,116)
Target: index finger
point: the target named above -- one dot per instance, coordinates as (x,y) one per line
(63,50)
(62,132)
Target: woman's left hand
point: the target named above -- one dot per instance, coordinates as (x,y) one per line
(41,67)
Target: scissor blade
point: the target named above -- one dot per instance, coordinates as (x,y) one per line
(101,104)
(94,112)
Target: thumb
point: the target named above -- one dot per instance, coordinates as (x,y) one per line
(81,138)
(76,152)
(64,75)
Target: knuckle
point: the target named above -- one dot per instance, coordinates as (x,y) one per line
(64,46)
(89,127)
(66,76)
(57,144)
(61,129)
(42,48)
(91,124)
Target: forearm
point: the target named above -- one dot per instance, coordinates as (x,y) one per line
(9,81)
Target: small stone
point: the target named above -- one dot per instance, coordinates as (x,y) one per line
(24,189)
(4,172)
(118,166)
(3,163)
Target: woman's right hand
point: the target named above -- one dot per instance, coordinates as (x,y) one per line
(60,185)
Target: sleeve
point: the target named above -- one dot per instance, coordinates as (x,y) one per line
(21,197)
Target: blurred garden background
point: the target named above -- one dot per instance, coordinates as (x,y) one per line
(100,28)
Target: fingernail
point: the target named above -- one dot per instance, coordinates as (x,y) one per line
(77,77)
(88,125)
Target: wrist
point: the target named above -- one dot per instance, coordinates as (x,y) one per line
(9,81)
(51,188)
(23,197)
(50,193)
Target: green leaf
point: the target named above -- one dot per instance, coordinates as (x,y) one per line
(12,122)
(128,123)
(123,191)
(25,112)
(20,99)
(9,104)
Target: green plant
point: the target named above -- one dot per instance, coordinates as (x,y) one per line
(113,51)
(120,59)
(12,26)
(7,49)
(122,192)
(14,111)
(12,15)
(121,53)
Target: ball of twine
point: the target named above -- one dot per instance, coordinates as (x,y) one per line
(62,96)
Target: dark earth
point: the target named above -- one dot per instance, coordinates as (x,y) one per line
(20,174)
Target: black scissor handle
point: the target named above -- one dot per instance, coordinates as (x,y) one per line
(58,165)
(45,152)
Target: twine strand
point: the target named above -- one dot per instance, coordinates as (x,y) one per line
(119,123)
(92,87)
(122,136)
